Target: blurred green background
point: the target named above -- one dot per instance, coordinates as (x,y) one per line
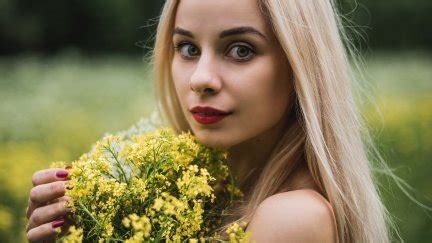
(73,70)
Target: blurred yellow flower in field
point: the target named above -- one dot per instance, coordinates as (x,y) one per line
(5,219)
(18,162)
(404,119)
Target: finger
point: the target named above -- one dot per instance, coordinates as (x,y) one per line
(49,175)
(47,213)
(45,232)
(47,192)
(60,199)
(31,207)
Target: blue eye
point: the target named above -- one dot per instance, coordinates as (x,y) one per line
(186,49)
(241,52)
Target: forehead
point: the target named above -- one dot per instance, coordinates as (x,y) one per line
(216,15)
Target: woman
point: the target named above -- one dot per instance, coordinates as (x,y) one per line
(268,80)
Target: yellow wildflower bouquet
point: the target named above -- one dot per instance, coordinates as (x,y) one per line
(150,187)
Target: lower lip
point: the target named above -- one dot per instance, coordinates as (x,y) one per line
(208,119)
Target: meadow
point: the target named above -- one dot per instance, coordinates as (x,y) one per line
(54,108)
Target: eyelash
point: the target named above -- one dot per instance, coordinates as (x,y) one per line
(179,46)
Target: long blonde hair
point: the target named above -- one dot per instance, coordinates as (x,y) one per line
(326,132)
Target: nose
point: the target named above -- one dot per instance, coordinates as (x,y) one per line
(205,79)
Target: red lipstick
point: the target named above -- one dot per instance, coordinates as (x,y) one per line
(208,115)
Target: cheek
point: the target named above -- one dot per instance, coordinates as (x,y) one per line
(263,94)
(180,77)
(266,87)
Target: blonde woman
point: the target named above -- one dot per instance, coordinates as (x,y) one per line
(269,80)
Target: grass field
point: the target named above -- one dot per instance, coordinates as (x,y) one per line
(55,108)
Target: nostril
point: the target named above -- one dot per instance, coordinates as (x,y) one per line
(208,90)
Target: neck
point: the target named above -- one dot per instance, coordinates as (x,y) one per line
(248,158)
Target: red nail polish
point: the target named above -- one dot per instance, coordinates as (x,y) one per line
(57,223)
(62,173)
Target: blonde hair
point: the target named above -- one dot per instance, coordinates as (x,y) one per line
(325,132)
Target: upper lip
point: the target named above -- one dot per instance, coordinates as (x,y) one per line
(208,110)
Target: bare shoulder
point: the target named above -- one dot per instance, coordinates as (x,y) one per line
(294,216)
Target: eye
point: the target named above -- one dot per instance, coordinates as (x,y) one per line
(241,52)
(186,49)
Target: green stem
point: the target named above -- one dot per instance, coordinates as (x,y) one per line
(118,163)
(88,212)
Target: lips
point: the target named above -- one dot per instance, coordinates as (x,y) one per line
(208,115)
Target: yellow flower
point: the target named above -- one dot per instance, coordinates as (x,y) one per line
(166,179)
(192,184)
(236,233)
(141,226)
(75,235)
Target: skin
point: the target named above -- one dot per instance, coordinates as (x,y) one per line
(294,216)
(246,74)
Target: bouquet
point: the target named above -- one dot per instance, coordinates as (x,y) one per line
(150,186)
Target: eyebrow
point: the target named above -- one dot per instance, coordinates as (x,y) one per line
(225,33)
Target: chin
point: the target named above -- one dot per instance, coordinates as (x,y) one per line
(213,141)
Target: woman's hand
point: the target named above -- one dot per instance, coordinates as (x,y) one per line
(46,209)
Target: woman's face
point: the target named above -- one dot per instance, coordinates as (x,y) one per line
(227,58)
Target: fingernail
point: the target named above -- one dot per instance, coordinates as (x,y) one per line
(62,173)
(57,223)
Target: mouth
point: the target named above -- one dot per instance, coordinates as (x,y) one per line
(208,115)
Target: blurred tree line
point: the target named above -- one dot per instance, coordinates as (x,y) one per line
(123,26)
(99,26)
(390,24)
(94,26)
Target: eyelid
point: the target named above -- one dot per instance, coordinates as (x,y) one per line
(243,43)
(180,44)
